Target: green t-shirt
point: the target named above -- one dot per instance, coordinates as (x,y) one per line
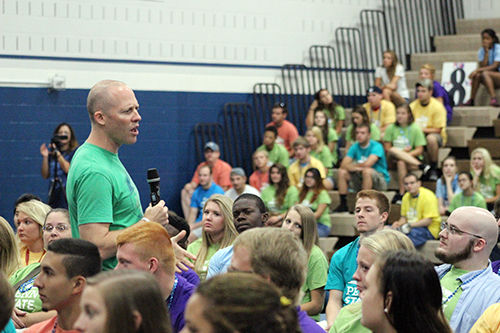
(100,190)
(323,197)
(374,133)
(317,271)
(268,195)
(195,247)
(460,200)
(402,137)
(450,283)
(488,187)
(278,154)
(325,156)
(26,296)
(332,136)
(349,320)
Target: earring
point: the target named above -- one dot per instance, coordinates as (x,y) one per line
(386,310)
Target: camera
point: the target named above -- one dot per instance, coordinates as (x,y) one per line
(56,140)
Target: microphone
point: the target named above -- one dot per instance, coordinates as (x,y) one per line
(153,178)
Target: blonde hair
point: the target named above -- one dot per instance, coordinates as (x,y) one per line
(150,239)
(318,134)
(9,256)
(37,211)
(278,254)
(430,68)
(225,205)
(385,240)
(490,170)
(263,152)
(309,234)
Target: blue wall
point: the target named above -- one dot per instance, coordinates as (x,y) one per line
(166,140)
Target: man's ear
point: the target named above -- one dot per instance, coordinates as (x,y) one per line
(153,265)
(264,217)
(79,283)
(384,216)
(99,117)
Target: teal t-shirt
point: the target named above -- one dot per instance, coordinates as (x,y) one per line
(326,157)
(374,133)
(26,296)
(100,190)
(268,195)
(460,200)
(323,198)
(9,328)
(317,271)
(402,137)
(342,267)
(360,154)
(449,283)
(278,154)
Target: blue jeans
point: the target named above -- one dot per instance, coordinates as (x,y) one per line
(323,230)
(420,235)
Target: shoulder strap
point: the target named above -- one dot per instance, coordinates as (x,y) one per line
(31,275)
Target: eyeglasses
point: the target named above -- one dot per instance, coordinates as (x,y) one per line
(59,227)
(455,231)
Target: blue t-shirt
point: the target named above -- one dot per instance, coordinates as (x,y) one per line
(359,155)
(342,267)
(493,56)
(200,196)
(441,191)
(220,261)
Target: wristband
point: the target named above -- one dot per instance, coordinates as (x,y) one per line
(146,219)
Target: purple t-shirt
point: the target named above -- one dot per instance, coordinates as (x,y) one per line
(182,292)
(307,324)
(439,91)
(495,265)
(190,276)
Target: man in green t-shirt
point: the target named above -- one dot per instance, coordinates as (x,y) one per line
(102,198)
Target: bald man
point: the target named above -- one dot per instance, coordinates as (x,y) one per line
(467,280)
(102,198)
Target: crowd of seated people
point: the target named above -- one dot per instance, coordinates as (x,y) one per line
(53,281)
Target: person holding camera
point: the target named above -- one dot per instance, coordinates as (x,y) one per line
(56,160)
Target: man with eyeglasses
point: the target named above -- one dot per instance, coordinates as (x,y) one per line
(467,280)
(287,132)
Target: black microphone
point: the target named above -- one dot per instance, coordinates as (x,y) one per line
(154,185)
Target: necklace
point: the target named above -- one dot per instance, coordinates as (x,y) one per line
(171,296)
(461,285)
(55,326)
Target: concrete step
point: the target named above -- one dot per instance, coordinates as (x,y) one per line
(476,26)
(474,116)
(412,78)
(394,214)
(492,145)
(483,98)
(343,224)
(437,59)
(458,136)
(457,43)
(429,185)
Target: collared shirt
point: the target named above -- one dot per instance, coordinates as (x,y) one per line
(476,297)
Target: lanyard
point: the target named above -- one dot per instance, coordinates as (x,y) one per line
(171,296)
(27,258)
(461,285)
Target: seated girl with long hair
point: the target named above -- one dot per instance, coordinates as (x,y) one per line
(314,195)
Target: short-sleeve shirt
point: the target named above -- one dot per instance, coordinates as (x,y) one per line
(220,261)
(269,197)
(287,133)
(349,320)
(449,283)
(100,190)
(385,115)
(493,55)
(402,137)
(460,200)
(201,195)
(194,248)
(278,154)
(296,171)
(374,133)
(433,115)
(360,155)
(317,271)
(402,89)
(442,192)
(343,265)
(425,205)
(323,198)
(488,322)
(248,189)
(220,173)
(182,293)
(488,186)
(259,179)
(26,296)
(325,157)
(47,326)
